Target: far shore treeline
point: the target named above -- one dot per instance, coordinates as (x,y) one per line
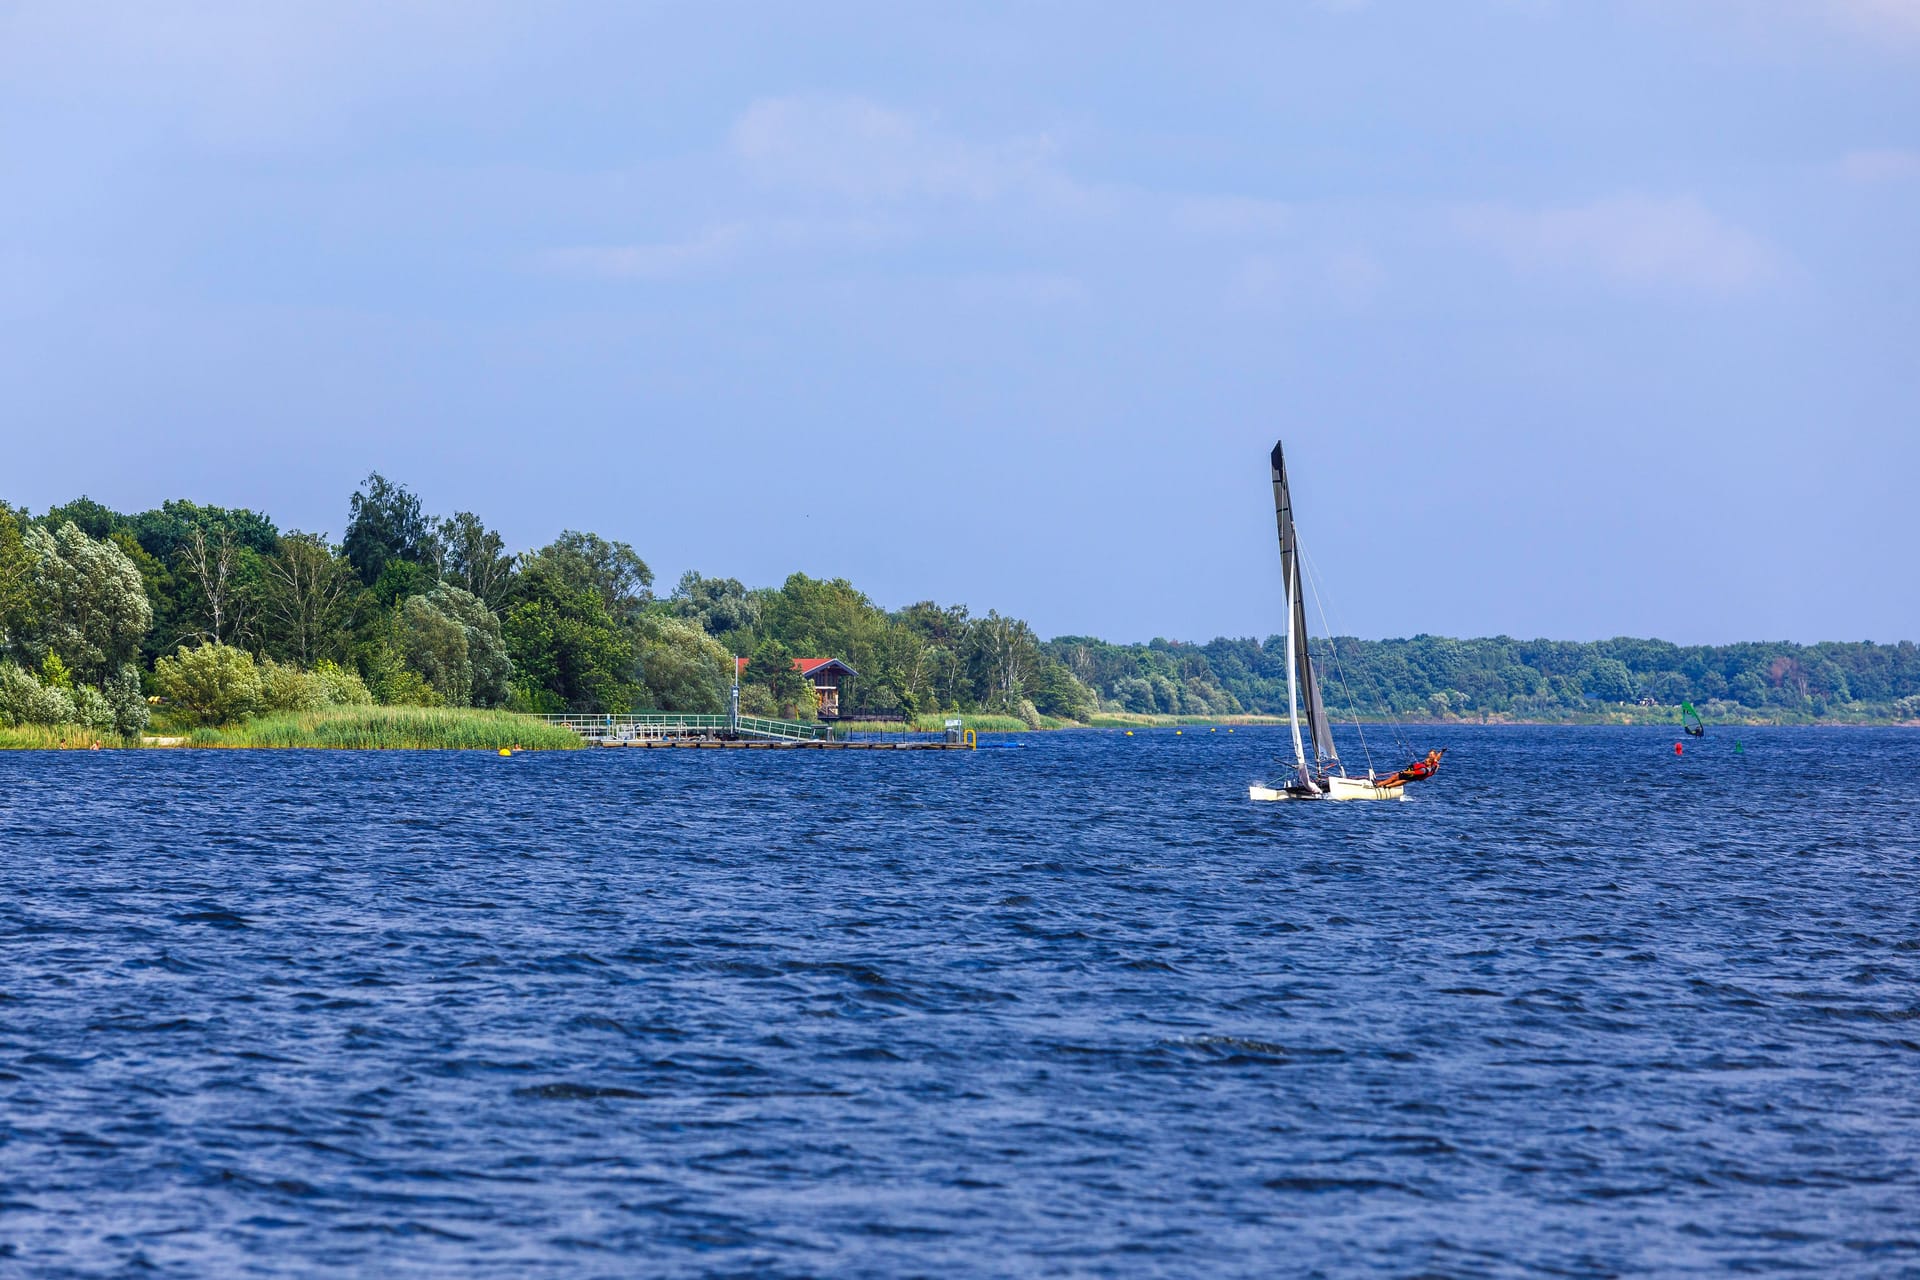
(220,615)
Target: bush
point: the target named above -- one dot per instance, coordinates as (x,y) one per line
(285,687)
(91,710)
(127,701)
(757,700)
(211,684)
(344,688)
(24,700)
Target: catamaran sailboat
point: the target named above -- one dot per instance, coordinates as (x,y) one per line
(1321,777)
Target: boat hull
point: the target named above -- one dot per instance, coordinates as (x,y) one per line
(1337,789)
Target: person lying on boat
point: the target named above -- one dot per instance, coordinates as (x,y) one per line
(1414,772)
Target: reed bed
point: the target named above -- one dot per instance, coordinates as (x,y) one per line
(1135,720)
(55,737)
(402,728)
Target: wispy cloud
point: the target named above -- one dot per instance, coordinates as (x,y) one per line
(825,174)
(715,245)
(1347,278)
(1025,288)
(1631,240)
(855,149)
(1232,215)
(1880,165)
(718,246)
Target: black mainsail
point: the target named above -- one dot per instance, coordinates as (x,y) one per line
(1303,690)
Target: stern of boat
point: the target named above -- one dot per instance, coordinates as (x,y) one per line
(1361,789)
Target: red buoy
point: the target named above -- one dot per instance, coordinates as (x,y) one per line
(1676,748)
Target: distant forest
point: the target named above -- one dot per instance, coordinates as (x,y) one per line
(1503,678)
(225,615)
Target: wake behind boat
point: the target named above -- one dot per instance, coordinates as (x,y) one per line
(1323,777)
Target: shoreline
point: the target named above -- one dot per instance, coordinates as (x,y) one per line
(450,729)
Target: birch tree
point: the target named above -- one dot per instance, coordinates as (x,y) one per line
(306,585)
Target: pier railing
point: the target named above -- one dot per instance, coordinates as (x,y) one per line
(628,726)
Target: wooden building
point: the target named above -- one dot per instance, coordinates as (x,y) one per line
(828,676)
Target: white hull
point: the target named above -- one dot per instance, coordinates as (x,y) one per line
(1338,788)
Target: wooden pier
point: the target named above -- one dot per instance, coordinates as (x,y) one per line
(688,731)
(776,744)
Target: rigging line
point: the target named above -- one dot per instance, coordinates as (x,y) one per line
(1399,738)
(1339,668)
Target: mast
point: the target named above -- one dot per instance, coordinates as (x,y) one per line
(1303,690)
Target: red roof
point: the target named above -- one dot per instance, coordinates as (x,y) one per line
(805,666)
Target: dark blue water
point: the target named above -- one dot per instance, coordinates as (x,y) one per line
(1581,1008)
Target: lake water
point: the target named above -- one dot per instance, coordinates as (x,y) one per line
(1581,1008)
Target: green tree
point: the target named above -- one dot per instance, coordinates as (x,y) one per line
(224,544)
(85,602)
(399,580)
(490,668)
(436,647)
(210,683)
(1607,680)
(16,577)
(453,640)
(385,523)
(477,559)
(826,618)
(568,651)
(1003,660)
(94,519)
(305,588)
(682,667)
(720,606)
(1058,692)
(771,667)
(613,571)
(227,577)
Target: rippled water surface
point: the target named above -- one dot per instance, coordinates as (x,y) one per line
(1579,1008)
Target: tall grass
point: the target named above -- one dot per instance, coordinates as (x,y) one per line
(53,737)
(1135,720)
(411,728)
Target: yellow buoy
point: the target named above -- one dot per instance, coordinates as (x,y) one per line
(1129,733)
(1177,732)
(1213,731)
(505,751)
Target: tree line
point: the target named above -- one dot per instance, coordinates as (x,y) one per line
(224,615)
(1441,677)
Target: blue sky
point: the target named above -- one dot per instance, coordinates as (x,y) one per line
(1578,319)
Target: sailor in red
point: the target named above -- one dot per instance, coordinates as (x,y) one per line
(1414,772)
